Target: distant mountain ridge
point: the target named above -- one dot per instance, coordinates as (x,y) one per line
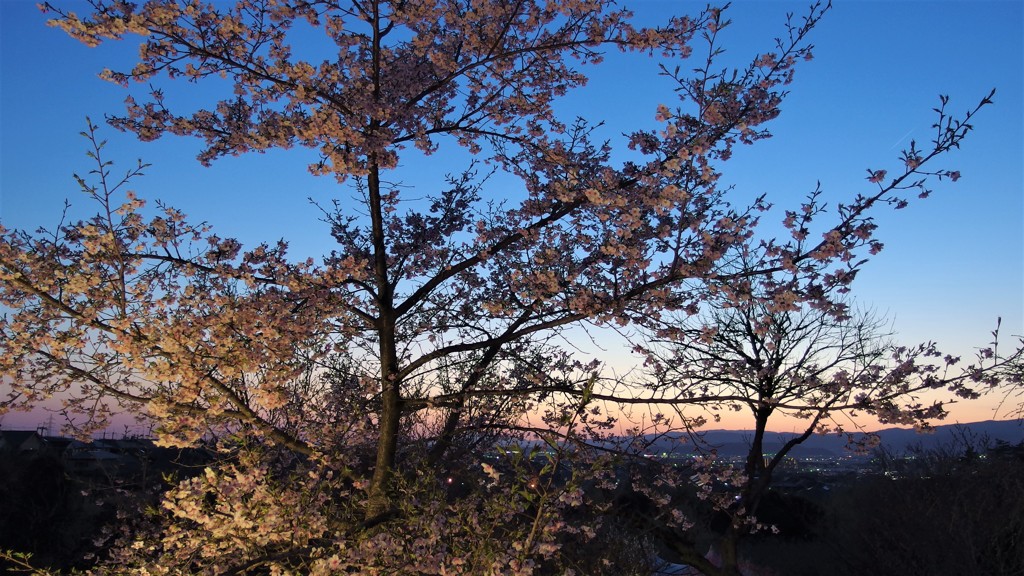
(729,443)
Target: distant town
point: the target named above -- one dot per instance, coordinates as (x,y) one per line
(818,462)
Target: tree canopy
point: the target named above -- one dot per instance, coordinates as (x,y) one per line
(340,387)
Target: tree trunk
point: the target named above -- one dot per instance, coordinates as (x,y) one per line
(391,401)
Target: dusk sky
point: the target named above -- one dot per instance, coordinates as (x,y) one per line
(951,265)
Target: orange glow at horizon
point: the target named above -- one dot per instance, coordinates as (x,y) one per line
(993,406)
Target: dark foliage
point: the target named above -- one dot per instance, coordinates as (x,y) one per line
(44,512)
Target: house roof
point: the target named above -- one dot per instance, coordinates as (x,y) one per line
(18,438)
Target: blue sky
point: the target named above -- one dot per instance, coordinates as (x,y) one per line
(951,265)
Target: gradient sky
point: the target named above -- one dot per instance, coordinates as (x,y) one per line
(952,264)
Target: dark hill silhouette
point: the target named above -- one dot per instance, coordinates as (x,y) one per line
(897,440)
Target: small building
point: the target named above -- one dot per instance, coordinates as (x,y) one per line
(21,442)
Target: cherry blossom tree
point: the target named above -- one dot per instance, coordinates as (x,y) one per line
(752,352)
(432,325)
